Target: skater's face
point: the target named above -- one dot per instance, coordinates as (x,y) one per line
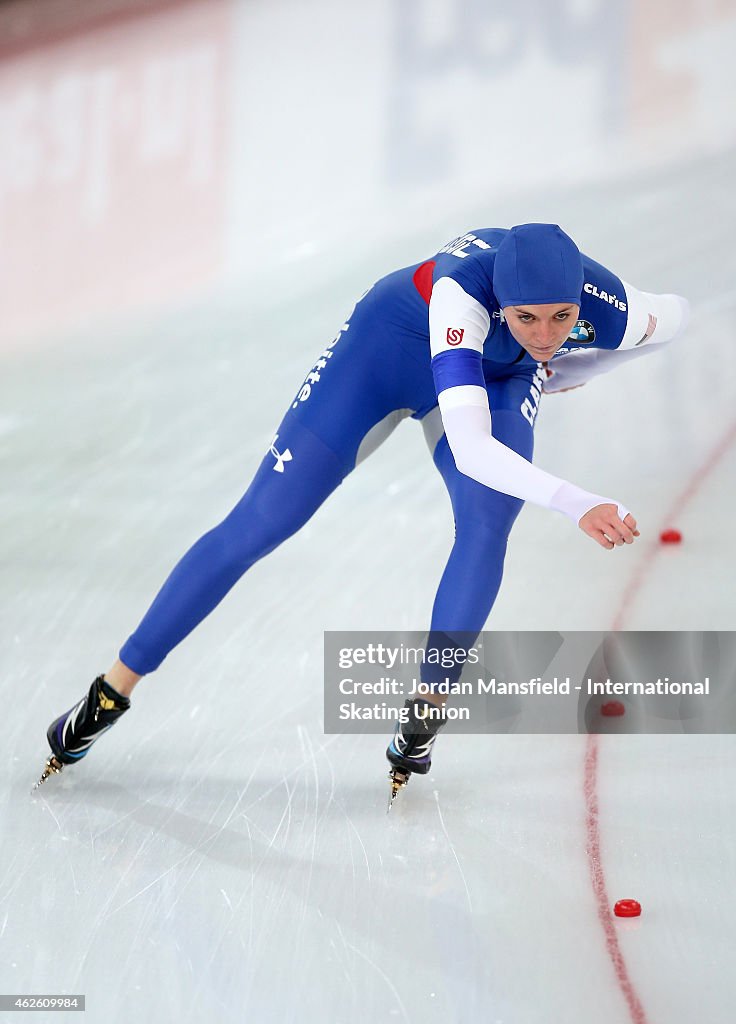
(541,329)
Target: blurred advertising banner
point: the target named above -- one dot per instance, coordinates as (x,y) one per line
(111,164)
(151,150)
(25,25)
(681,76)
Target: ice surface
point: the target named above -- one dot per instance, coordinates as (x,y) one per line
(217,857)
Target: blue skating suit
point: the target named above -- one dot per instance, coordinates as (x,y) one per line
(376,371)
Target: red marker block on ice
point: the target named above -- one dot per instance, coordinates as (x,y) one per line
(613,709)
(627,908)
(670,536)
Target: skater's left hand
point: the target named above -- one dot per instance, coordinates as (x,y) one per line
(549,387)
(560,391)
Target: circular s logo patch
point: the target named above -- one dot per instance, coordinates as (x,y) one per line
(583,333)
(455,335)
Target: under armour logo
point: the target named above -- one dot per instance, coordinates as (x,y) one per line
(281,457)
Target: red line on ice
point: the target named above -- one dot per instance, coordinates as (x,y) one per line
(593,841)
(595,864)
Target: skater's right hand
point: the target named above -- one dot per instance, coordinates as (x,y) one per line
(604,525)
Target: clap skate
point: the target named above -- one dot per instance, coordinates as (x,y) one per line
(410,750)
(72,734)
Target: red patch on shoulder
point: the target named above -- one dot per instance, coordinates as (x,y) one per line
(423,279)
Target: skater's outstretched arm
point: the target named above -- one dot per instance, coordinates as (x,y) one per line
(467,421)
(466,417)
(653,322)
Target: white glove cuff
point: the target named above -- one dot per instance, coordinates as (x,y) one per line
(574,502)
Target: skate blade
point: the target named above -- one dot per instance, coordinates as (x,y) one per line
(53,766)
(398,779)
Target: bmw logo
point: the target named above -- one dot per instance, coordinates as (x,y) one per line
(583,333)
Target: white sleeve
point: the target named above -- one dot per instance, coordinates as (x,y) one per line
(652,321)
(576,368)
(467,421)
(456,319)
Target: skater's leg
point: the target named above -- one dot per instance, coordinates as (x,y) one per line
(275,506)
(483,521)
(470,582)
(348,403)
(122,678)
(281,498)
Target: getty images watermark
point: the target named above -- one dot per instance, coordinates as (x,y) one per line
(540,682)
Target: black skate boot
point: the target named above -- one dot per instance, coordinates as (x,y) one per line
(71,735)
(410,750)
